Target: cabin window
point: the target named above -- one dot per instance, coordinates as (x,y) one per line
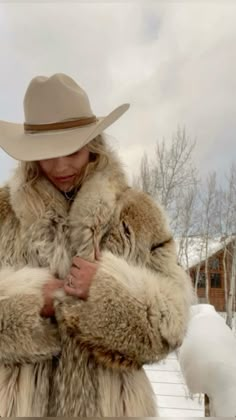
(214,263)
(215,280)
(201,280)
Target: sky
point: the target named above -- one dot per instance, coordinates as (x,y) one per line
(173,61)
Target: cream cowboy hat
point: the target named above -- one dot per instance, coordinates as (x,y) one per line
(58,120)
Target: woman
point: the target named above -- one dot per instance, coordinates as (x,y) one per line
(89,282)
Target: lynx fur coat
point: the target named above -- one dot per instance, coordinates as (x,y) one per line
(88,361)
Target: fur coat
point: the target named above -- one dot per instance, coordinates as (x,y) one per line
(88,360)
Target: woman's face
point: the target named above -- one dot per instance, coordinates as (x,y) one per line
(63,171)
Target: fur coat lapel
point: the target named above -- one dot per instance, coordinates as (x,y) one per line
(53,237)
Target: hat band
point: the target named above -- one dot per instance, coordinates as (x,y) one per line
(60,125)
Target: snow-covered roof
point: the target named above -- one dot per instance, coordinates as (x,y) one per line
(192,250)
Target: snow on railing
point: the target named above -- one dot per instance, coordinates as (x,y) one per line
(208,359)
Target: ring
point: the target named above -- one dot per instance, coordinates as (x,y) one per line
(69,281)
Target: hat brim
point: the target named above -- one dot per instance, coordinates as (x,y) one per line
(51,144)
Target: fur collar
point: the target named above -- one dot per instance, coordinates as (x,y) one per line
(50,238)
(110,183)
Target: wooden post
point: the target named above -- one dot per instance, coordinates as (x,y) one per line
(207,406)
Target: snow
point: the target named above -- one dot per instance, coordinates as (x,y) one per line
(172,394)
(208,359)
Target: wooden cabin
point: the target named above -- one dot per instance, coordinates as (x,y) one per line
(219,264)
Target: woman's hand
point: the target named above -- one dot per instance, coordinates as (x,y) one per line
(81,275)
(48,292)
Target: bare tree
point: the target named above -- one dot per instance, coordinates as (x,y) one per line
(227,229)
(223,217)
(228,226)
(200,254)
(186,205)
(174,170)
(170,174)
(208,198)
(231,298)
(195,209)
(145,175)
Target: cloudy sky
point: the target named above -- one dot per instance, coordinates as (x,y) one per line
(173,61)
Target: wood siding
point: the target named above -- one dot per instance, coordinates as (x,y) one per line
(216,294)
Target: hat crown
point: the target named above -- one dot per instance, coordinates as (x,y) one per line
(55,99)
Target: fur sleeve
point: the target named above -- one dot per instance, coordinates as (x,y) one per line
(134,315)
(24,335)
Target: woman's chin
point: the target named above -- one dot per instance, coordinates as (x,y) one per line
(64,186)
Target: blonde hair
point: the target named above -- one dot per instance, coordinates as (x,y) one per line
(100,155)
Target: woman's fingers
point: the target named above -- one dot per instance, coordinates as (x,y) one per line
(79,279)
(75,272)
(78,290)
(97,253)
(73,291)
(77,261)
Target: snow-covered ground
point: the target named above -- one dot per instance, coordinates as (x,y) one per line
(173,396)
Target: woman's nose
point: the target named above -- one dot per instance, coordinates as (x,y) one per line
(60,164)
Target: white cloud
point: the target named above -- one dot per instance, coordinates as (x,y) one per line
(174,62)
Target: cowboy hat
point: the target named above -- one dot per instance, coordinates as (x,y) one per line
(58,120)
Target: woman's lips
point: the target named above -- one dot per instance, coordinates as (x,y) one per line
(64,178)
